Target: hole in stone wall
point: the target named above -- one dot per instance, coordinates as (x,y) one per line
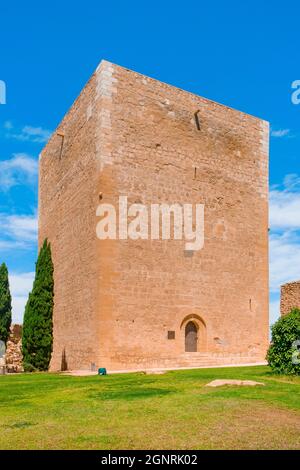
(197,120)
(62,135)
(188,253)
(218,340)
(64,364)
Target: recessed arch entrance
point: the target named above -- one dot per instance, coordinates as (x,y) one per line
(193,330)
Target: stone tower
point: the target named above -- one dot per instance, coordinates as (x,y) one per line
(130,304)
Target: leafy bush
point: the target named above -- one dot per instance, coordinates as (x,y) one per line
(283,349)
(37,328)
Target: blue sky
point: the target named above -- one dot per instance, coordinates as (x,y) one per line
(242,54)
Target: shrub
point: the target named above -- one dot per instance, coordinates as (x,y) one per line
(5,304)
(37,328)
(282,349)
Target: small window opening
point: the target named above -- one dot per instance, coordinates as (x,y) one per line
(197,120)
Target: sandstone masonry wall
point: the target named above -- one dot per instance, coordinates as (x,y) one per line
(13,355)
(68,195)
(290,297)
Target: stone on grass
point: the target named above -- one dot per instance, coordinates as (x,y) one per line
(154,372)
(239,383)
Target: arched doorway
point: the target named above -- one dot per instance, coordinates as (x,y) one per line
(191,333)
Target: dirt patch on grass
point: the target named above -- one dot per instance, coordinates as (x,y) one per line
(228,424)
(256,427)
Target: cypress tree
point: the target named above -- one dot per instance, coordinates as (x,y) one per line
(37,326)
(5,304)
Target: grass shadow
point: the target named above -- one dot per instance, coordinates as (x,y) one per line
(131,394)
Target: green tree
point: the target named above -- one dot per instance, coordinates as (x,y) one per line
(284,355)
(5,304)
(37,328)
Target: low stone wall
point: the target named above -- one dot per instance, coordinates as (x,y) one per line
(13,355)
(290,297)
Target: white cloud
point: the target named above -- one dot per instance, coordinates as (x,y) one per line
(22,227)
(284,209)
(27,133)
(18,170)
(284,259)
(8,125)
(6,245)
(274,311)
(17,231)
(18,308)
(291,182)
(285,204)
(284,236)
(280,132)
(20,286)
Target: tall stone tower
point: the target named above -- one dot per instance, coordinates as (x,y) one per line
(128,304)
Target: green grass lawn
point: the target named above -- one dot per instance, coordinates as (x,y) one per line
(137,411)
